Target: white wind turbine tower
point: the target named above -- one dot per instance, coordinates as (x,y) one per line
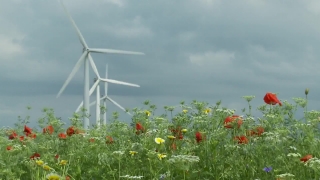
(104,98)
(85,58)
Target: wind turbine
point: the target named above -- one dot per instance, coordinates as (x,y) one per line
(84,60)
(104,98)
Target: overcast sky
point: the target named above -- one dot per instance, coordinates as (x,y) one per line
(207,50)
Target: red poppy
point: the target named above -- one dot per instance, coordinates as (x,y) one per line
(32,135)
(9,148)
(306,158)
(13,135)
(71,131)
(49,129)
(230,119)
(91,140)
(62,136)
(109,140)
(257,131)
(199,137)
(242,139)
(35,155)
(271,98)
(139,128)
(56,156)
(21,138)
(68,178)
(27,130)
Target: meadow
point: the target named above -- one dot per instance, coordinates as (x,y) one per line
(200,141)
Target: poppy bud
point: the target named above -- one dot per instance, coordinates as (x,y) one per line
(306,92)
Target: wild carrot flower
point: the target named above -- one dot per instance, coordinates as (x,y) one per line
(159,140)
(228,122)
(272,99)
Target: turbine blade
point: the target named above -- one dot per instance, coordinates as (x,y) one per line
(73,72)
(119,82)
(93,65)
(78,109)
(83,42)
(115,103)
(94,87)
(93,103)
(105,83)
(114,51)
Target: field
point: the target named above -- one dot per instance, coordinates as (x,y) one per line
(200,141)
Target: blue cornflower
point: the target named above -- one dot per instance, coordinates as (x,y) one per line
(267,169)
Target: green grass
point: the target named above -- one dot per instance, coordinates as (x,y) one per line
(119,151)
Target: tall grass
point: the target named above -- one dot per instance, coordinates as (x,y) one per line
(201,141)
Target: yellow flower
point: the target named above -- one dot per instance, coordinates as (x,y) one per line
(161,156)
(63,162)
(184,130)
(46,167)
(207,111)
(39,162)
(133,153)
(148,113)
(159,140)
(53,176)
(184,111)
(171,137)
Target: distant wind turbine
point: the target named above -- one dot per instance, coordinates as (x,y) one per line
(104,98)
(85,59)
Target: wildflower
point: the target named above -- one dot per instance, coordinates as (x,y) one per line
(56,156)
(132,153)
(171,137)
(27,130)
(199,137)
(109,140)
(267,169)
(63,162)
(177,132)
(9,148)
(13,135)
(159,140)
(148,113)
(132,177)
(271,98)
(91,140)
(294,155)
(230,119)
(35,156)
(139,128)
(32,135)
(70,131)
(306,158)
(173,146)
(242,139)
(49,129)
(257,131)
(207,111)
(161,156)
(62,136)
(39,162)
(68,178)
(21,138)
(46,167)
(185,111)
(184,130)
(53,176)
